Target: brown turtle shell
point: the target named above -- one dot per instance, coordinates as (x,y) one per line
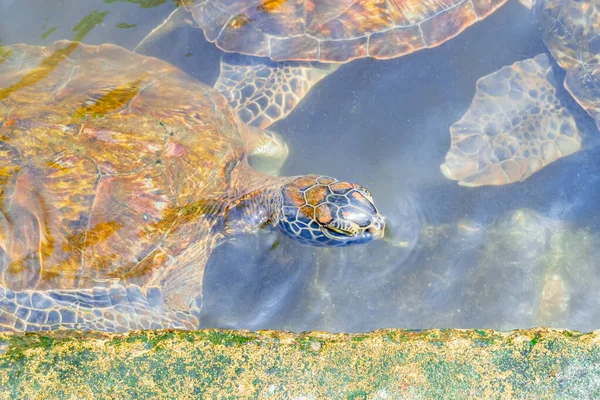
(110,161)
(335,30)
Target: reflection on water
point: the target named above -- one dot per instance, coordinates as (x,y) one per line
(502,257)
(524,269)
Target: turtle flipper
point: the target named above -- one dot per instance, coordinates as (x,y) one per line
(571,34)
(584,85)
(514,127)
(113,309)
(263,91)
(268,150)
(181,280)
(175,20)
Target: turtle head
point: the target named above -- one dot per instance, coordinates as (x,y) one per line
(322,211)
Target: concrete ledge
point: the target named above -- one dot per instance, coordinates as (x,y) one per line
(386,364)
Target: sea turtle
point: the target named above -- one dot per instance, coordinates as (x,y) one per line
(119,174)
(516,123)
(318,35)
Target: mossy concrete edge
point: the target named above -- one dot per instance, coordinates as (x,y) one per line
(441,364)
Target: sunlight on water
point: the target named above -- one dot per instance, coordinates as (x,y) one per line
(120,175)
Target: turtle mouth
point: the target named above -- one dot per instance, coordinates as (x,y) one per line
(376,232)
(377,228)
(365,235)
(333,234)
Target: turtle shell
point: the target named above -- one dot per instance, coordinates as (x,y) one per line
(111,162)
(572,34)
(335,30)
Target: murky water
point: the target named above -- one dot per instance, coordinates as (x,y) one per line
(503,257)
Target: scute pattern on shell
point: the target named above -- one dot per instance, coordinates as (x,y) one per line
(335,31)
(572,34)
(108,161)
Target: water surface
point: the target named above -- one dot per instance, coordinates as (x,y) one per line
(497,257)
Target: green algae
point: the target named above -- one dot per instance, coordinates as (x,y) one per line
(357,395)
(141,3)
(534,341)
(123,25)
(227,339)
(49,63)
(360,338)
(441,364)
(48,32)
(4,54)
(87,23)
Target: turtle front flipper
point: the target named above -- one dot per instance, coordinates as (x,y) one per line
(514,127)
(175,20)
(181,279)
(263,91)
(114,309)
(267,149)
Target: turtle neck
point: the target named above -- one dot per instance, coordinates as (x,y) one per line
(254,200)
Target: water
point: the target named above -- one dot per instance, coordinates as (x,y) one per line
(496,257)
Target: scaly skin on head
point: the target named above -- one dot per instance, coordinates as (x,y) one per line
(311,209)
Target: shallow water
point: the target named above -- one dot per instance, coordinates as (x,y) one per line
(504,257)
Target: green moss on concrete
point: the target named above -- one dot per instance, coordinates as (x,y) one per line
(441,364)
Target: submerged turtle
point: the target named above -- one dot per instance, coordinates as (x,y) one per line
(516,124)
(119,174)
(311,33)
